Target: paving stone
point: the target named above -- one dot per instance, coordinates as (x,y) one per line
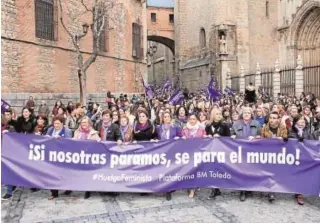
(34,207)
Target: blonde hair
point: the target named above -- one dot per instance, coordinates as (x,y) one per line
(246,109)
(213,114)
(86,118)
(262,109)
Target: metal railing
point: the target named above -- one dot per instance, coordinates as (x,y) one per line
(235,84)
(267,81)
(249,78)
(287,81)
(312,79)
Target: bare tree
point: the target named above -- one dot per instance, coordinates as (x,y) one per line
(101,11)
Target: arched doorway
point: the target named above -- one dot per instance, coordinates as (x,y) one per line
(306,33)
(305,36)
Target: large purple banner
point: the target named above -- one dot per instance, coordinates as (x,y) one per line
(267,165)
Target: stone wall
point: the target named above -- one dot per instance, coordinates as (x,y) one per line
(19,100)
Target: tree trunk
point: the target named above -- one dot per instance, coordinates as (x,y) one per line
(82,86)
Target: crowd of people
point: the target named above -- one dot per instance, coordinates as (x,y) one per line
(127,120)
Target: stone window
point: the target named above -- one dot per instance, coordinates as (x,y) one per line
(171,18)
(267,9)
(45,19)
(153,17)
(203,38)
(137,51)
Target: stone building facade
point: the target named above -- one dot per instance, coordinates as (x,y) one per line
(45,68)
(160,20)
(219,37)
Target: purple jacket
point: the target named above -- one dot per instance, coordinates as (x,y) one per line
(175,131)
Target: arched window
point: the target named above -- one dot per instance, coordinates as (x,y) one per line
(202,38)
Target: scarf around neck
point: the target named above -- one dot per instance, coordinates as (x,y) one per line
(124,130)
(104,129)
(300,130)
(84,134)
(193,129)
(141,127)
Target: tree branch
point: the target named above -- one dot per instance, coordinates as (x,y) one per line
(85,6)
(66,29)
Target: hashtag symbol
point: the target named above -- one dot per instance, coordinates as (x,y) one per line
(95,176)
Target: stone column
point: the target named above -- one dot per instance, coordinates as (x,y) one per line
(299,82)
(242,81)
(276,80)
(229,84)
(224,70)
(258,76)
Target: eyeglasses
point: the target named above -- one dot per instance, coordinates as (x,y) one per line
(273,118)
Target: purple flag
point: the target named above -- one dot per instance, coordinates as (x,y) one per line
(147,89)
(166,86)
(266,165)
(229,91)
(213,92)
(177,97)
(4,106)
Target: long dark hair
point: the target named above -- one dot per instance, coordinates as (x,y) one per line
(44,118)
(31,113)
(186,111)
(56,104)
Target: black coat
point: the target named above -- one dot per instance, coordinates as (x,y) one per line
(221,128)
(114,133)
(144,135)
(26,127)
(250,95)
(13,123)
(306,134)
(316,135)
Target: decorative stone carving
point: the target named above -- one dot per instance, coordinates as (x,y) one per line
(223,44)
(299,62)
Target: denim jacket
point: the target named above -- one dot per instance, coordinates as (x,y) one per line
(237,129)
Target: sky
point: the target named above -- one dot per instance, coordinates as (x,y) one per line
(161,3)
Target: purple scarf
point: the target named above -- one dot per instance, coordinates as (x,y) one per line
(105,127)
(124,130)
(84,134)
(140,127)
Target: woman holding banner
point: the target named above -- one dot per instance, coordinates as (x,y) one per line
(301,131)
(193,129)
(27,122)
(125,129)
(5,127)
(86,132)
(107,129)
(274,129)
(246,128)
(58,131)
(42,125)
(143,129)
(167,131)
(216,128)
(181,117)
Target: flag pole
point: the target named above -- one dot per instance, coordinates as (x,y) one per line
(145,93)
